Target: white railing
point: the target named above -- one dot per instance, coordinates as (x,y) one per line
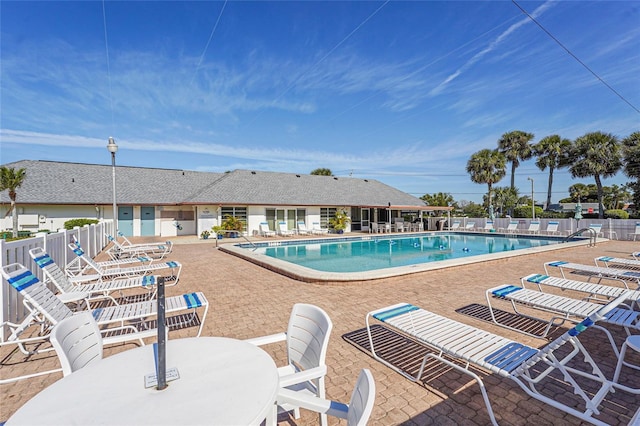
(91,237)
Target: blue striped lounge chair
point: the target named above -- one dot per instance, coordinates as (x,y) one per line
(619,261)
(66,285)
(94,272)
(564,308)
(598,272)
(525,365)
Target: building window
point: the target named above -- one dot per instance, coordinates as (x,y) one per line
(237,212)
(326,213)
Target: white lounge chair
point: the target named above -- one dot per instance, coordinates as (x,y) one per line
(94,272)
(302,228)
(118,250)
(469,226)
(565,308)
(552,228)
(607,260)
(316,229)
(77,341)
(534,227)
(594,271)
(455,225)
(636,232)
(43,303)
(597,292)
(511,228)
(307,338)
(525,365)
(55,275)
(597,228)
(265,231)
(357,412)
(488,226)
(283,231)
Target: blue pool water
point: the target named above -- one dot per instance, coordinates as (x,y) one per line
(373,253)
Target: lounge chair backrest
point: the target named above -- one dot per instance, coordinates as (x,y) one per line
(77,341)
(596,226)
(455,224)
(80,253)
(553,226)
(51,270)
(308,336)
(282,225)
(302,226)
(534,225)
(36,293)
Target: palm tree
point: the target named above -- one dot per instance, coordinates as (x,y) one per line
(11,179)
(552,152)
(441,199)
(487,166)
(631,152)
(515,147)
(505,198)
(599,155)
(322,172)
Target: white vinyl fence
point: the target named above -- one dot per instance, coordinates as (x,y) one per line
(618,229)
(92,239)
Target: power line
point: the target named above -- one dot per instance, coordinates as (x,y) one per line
(208,41)
(575,57)
(106,45)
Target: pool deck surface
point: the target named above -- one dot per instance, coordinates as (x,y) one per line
(248,301)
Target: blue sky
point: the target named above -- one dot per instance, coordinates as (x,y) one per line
(402,92)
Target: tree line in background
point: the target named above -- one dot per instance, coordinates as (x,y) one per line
(596,154)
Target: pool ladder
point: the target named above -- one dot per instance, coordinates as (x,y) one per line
(592,236)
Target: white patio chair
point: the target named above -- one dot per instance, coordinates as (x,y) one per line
(357,412)
(374,228)
(307,338)
(455,225)
(469,226)
(527,366)
(618,262)
(77,341)
(636,232)
(265,231)
(488,226)
(283,231)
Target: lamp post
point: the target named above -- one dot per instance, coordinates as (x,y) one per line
(112,147)
(533,204)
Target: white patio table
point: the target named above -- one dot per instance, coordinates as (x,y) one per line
(222,382)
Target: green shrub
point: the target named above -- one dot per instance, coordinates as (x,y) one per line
(70,224)
(616,214)
(525,211)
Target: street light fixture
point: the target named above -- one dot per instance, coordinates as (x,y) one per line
(533,204)
(113,148)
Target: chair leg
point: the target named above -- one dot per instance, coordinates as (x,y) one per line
(632,342)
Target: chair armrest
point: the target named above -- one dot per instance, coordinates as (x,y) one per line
(313,403)
(303,376)
(265,340)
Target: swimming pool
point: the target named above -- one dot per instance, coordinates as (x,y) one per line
(364,258)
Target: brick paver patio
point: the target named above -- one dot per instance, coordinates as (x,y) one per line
(247,301)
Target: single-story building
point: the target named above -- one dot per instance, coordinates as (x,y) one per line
(170,202)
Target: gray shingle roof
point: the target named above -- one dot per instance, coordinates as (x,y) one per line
(48,182)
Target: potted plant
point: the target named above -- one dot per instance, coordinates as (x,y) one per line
(218,230)
(232,223)
(340,221)
(205,234)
